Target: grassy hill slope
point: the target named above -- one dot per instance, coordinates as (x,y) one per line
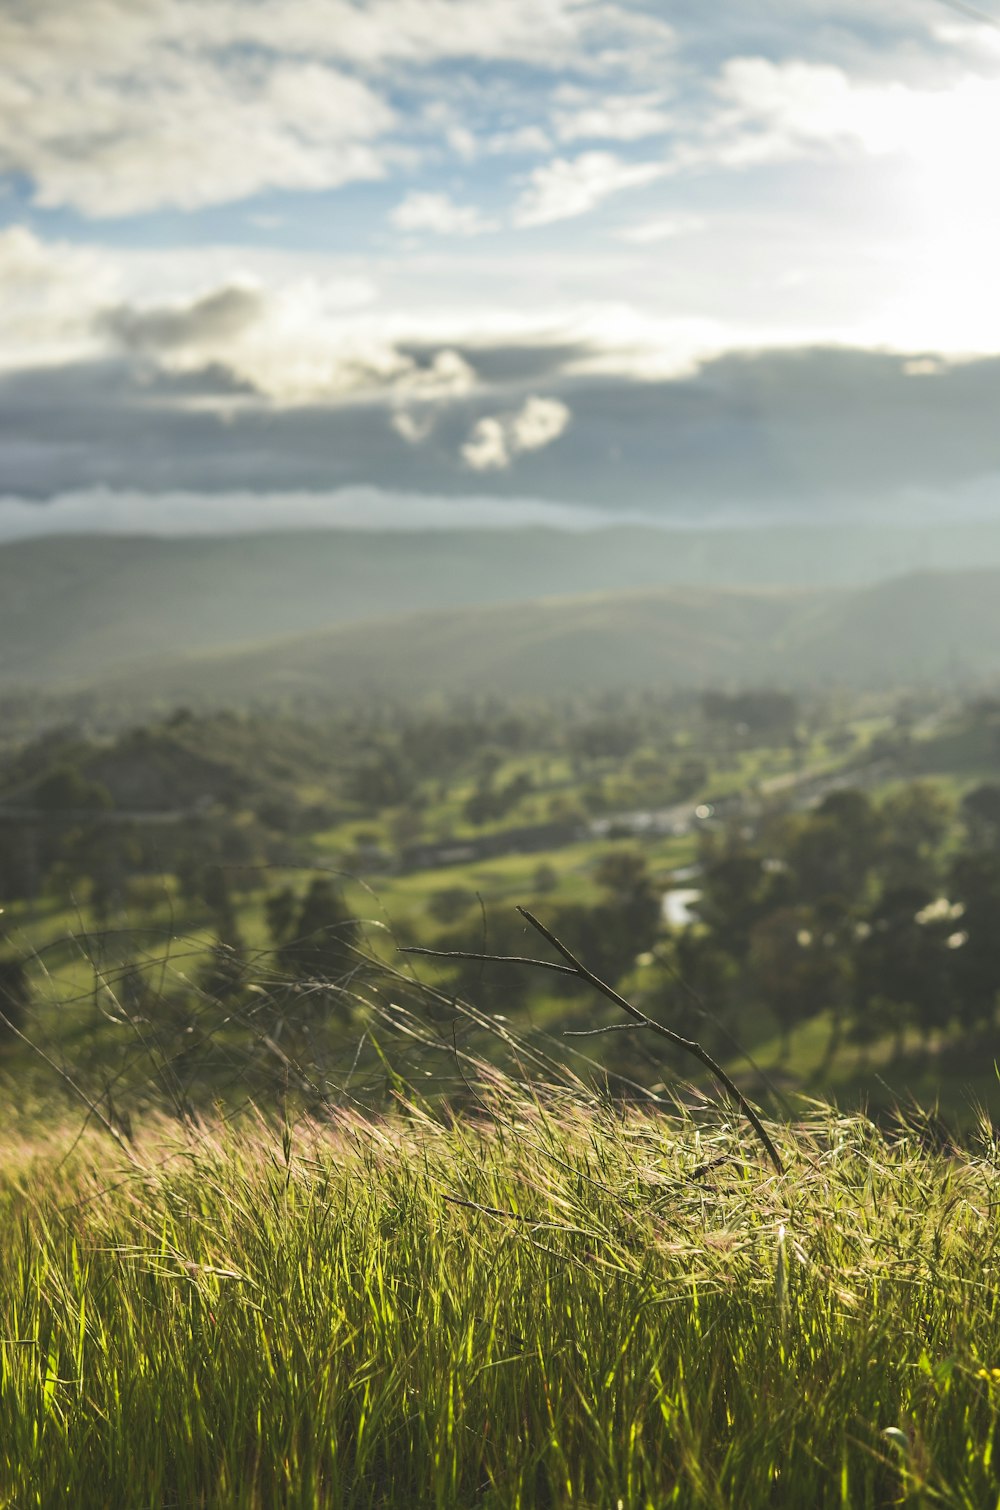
(684,636)
(75,608)
(919,630)
(559,1302)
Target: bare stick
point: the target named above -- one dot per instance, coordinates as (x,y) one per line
(573,966)
(508,959)
(689,1045)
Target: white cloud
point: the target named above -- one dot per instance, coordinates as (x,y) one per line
(448,375)
(775,112)
(538,424)
(524,139)
(293,328)
(663,228)
(199,130)
(486,448)
(567,187)
(380,32)
(439,214)
(413,426)
(49,295)
(298,353)
(462,142)
(298,339)
(497,439)
(622,118)
(308,340)
(118,107)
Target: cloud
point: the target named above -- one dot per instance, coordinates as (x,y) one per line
(443,374)
(779,111)
(217,316)
(415,426)
(117,108)
(300,342)
(662,228)
(568,187)
(48,296)
(199,130)
(808,435)
(384,32)
(487,447)
(521,140)
(440,214)
(497,439)
(622,118)
(133,511)
(538,424)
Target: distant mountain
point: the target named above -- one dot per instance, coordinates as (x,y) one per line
(921,630)
(77,611)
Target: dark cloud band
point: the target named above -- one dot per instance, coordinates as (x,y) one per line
(787,432)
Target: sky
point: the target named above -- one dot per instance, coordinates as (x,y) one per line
(481,261)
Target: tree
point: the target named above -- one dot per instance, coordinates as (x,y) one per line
(450,903)
(700,992)
(623,876)
(915,822)
(384,778)
(981,815)
(623,924)
(975,942)
(324,937)
(762,715)
(503,987)
(604,739)
(832,851)
(105,856)
(215,892)
(225,972)
(279,912)
(791,969)
(66,789)
(15,996)
(736,892)
(901,964)
(21,863)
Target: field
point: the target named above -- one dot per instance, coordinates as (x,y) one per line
(350,798)
(294,1218)
(555,1300)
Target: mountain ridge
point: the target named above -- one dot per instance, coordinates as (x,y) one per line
(72,607)
(672,638)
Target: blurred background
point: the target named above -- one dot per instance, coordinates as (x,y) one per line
(459,453)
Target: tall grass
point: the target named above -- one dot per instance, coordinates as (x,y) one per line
(552,1300)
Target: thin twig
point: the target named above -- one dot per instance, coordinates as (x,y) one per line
(689,1045)
(508,959)
(574,966)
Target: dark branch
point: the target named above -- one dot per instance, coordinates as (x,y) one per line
(687,1044)
(492,959)
(573,966)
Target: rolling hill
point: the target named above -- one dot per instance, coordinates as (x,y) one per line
(920,630)
(78,610)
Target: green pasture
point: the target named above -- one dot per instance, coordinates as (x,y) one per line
(552,1302)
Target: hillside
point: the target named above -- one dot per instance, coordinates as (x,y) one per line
(561,1301)
(923,629)
(73,610)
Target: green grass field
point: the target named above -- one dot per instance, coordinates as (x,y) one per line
(549,1299)
(549,1302)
